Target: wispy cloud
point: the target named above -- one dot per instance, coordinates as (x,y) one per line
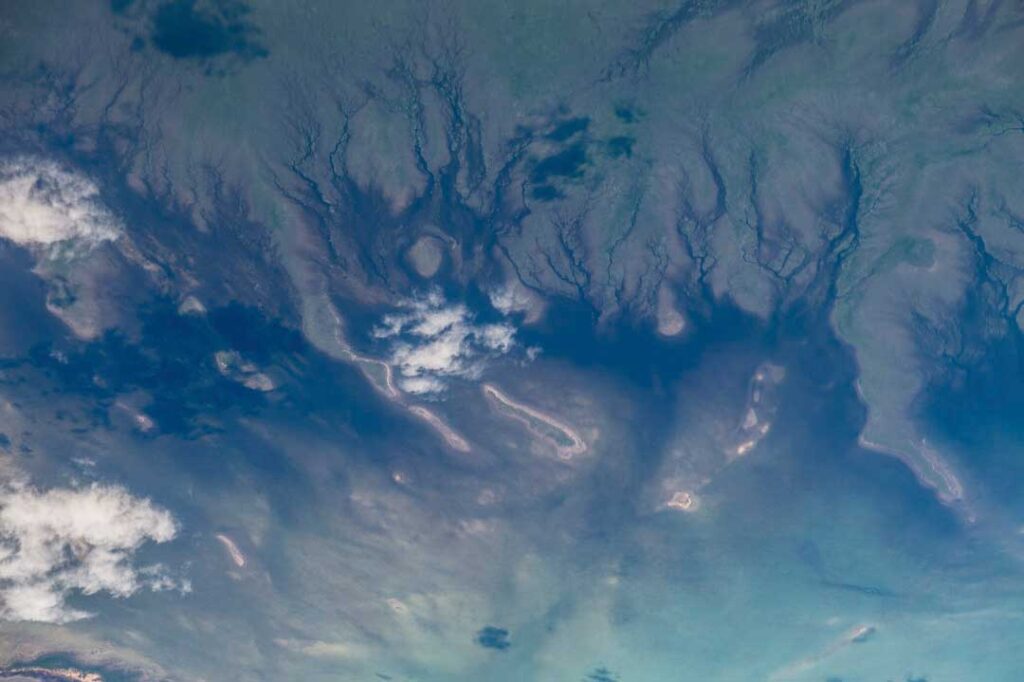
(433,341)
(65,540)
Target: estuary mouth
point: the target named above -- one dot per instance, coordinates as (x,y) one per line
(455,341)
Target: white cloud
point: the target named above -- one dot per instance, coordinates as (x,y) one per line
(434,340)
(514,299)
(497,337)
(421,385)
(509,299)
(43,205)
(65,540)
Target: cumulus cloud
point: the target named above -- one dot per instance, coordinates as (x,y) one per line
(510,299)
(434,340)
(44,205)
(68,540)
(513,299)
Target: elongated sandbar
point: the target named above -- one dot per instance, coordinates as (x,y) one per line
(448,433)
(572,444)
(232,548)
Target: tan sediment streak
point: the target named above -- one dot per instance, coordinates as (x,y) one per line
(453,439)
(390,390)
(232,548)
(952,491)
(578,446)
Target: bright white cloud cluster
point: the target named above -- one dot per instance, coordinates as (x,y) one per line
(510,299)
(43,205)
(435,340)
(63,540)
